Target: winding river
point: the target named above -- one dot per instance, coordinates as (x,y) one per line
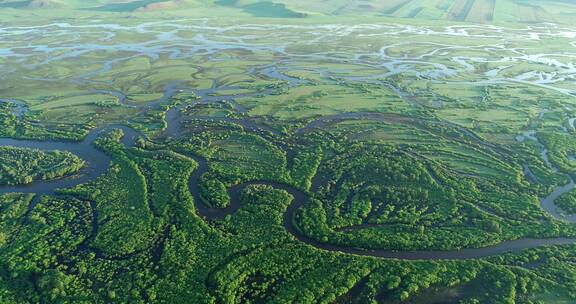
(547,203)
(98,163)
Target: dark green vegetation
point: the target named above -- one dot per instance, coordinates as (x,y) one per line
(279,155)
(23,166)
(270,9)
(567,202)
(134,234)
(382,197)
(125,6)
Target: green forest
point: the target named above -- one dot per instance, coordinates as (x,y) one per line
(24,166)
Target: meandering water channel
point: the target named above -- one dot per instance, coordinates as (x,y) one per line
(98,163)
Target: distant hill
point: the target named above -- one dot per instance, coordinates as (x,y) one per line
(478,11)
